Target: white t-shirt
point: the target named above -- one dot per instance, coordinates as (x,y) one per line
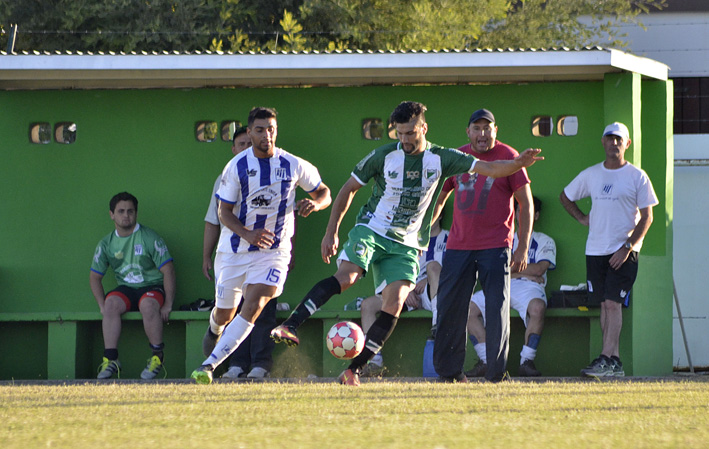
(213,210)
(263,194)
(616,199)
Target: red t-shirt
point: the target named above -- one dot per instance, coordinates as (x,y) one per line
(483,213)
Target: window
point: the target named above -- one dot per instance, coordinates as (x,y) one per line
(65,132)
(372,129)
(40,132)
(567,125)
(542,126)
(691,98)
(228,127)
(206,131)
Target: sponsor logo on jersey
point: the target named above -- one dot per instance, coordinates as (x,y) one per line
(607,188)
(261,201)
(392,174)
(138,249)
(623,293)
(252,172)
(118,255)
(413,174)
(160,247)
(360,166)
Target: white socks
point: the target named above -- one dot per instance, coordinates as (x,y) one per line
(234,334)
(482,352)
(527,354)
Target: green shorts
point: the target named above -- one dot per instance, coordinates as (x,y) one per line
(390,261)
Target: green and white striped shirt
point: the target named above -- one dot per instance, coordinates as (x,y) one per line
(405,188)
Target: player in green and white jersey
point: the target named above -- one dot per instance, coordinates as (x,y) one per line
(392,226)
(145,275)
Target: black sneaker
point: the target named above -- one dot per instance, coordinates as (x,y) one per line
(617,366)
(479,370)
(600,367)
(527,369)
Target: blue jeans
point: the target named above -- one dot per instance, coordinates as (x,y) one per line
(257,349)
(461,269)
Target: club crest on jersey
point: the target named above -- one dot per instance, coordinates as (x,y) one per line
(138,250)
(607,188)
(281,174)
(431,174)
(360,249)
(413,174)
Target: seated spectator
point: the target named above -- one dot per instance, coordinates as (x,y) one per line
(527,297)
(423,296)
(145,275)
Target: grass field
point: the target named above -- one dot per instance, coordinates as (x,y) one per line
(552,413)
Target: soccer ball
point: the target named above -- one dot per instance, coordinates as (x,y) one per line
(345,340)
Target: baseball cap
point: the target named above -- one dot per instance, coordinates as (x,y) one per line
(481,114)
(617,129)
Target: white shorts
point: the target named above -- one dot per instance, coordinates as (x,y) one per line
(429,304)
(235,271)
(522,291)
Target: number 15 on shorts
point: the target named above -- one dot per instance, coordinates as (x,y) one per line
(273,275)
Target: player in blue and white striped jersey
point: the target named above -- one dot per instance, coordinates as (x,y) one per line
(256,207)
(392,226)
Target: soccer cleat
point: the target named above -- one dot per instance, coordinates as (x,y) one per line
(108,368)
(479,370)
(234,372)
(258,373)
(285,334)
(527,369)
(372,369)
(203,375)
(209,341)
(153,369)
(349,377)
(617,366)
(600,367)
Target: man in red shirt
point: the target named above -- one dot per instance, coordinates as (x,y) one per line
(479,245)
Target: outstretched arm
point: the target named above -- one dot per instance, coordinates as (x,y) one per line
(330,241)
(500,169)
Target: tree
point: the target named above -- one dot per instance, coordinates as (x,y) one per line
(254,25)
(563,23)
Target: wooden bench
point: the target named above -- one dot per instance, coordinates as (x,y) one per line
(74,339)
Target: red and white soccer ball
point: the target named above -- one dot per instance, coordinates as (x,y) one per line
(345,340)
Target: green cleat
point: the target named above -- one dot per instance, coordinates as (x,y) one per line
(153,369)
(108,368)
(203,375)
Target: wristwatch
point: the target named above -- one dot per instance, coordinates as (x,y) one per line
(627,245)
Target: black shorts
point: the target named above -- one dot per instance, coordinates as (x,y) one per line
(605,283)
(132,296)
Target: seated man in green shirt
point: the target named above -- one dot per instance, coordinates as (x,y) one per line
(146,282)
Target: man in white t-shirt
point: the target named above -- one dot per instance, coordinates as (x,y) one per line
(622,198)
(527,297)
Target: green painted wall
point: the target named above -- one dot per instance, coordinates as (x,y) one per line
(54,206)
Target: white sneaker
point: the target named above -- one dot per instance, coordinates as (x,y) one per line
(234,372)
(257,373)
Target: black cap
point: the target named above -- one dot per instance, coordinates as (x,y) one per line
(482,114)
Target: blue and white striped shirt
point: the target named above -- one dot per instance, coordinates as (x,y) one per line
(263,194)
